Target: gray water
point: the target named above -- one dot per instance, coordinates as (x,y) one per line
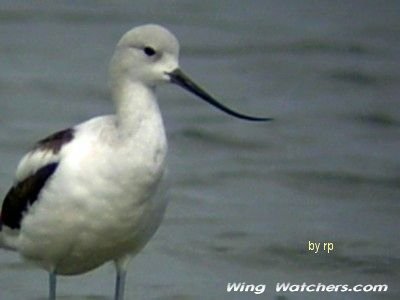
(245,198)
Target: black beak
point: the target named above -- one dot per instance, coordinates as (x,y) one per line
(179,78)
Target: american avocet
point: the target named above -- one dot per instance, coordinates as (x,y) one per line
(84,196)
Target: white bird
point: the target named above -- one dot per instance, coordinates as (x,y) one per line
(84,196)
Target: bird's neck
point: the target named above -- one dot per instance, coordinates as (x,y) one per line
(136,105)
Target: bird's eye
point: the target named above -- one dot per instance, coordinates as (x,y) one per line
(149,51)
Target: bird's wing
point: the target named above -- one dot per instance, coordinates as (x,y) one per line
(33,171)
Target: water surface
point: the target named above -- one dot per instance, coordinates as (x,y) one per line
(245,198)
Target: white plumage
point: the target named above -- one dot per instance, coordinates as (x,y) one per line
(85,196)
(100,197)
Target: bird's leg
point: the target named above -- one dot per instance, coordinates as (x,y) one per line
(120,285)
(121,265)
(52,285)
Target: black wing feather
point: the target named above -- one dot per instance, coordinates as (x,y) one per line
(25,192)
(23,195)
(55,141)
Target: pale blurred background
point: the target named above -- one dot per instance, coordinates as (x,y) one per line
(245,198)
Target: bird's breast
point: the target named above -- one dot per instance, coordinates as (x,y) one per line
(101,197)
